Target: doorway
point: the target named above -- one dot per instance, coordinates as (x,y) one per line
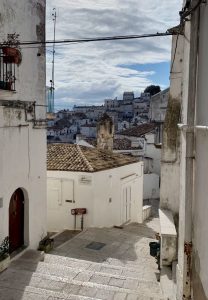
(126,204)
(16,221)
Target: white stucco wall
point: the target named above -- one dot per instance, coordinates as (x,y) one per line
(200,206)
(23,149)
(153,152)
(102,195)
(170,156)
(151,186)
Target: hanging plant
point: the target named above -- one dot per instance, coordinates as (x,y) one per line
(10,49)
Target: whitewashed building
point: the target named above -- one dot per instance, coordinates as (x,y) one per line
(157,112)
(108,185)
(22,124)
(184,185)
(142,138)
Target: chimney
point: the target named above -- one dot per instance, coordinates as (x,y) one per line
(105,133)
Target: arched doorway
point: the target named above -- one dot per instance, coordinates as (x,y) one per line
(16,221)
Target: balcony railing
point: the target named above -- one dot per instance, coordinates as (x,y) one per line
(7,69)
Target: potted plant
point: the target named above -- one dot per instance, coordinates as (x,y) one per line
(46,244)
(11,49)
(4,254)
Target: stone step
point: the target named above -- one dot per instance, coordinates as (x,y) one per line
(31,293)
(113,266)
(87,270)
(63,288)
(53,275)
(98,295)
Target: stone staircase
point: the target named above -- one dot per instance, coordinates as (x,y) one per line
(36,276)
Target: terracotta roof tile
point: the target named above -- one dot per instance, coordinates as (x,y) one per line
(68,157)
(138,130)
(123,144)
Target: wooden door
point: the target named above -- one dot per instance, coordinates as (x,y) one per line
(16,221)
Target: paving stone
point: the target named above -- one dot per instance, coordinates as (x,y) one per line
(116,282)
(87,291)
(132,297)
(95,268)
(119,296)
(131,284)
(51,285)
(100,279)
(105,295)
(110,271)
(72,289)
(84,277)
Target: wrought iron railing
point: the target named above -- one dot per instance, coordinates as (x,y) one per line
(7,71)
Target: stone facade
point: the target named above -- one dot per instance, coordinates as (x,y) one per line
(105,133)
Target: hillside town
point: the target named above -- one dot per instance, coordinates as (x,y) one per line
(106,199)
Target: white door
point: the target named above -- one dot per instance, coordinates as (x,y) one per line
(126,204)
(60,198)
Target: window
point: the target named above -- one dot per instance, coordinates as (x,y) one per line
(9,58)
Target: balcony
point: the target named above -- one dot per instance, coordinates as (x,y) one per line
(9,58)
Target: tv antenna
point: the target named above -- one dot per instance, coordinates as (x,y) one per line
(54,16)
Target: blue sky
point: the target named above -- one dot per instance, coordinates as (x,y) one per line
(161,72)
(89,73)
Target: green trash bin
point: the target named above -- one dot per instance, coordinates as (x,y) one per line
(154,248)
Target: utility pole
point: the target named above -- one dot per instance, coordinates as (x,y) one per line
(54,16)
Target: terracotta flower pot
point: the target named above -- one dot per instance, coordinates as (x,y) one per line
(13,55)
(10,51)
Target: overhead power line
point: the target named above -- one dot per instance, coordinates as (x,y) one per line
(96,39)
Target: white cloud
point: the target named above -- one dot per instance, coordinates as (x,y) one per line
(88,73)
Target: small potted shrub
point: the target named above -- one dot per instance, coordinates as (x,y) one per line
(46,244)
(11,49)
(4,254)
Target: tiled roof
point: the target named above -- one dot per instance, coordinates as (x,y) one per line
(138,130)
(118,144)
(123,144)
(68,157)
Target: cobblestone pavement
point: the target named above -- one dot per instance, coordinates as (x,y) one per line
(121,270)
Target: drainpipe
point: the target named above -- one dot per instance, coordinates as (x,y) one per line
(189,157)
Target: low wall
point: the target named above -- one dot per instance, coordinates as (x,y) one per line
(146,212)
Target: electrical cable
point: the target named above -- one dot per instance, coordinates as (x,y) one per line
(97,39)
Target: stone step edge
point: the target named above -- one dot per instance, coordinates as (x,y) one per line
(38,291)
(88,272)
(93,284)
(102,274)
(91,273)
(62,258)
(61,262)
(63,295)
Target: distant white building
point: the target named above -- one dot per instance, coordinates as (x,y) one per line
(108,185)
(142,139)
(88,131)
(128,96)
(157,112)
(123,125)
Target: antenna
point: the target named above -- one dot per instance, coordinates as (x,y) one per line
(54,16)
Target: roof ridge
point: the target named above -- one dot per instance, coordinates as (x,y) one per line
(84,158)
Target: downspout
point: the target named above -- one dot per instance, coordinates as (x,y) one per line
(189,136)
